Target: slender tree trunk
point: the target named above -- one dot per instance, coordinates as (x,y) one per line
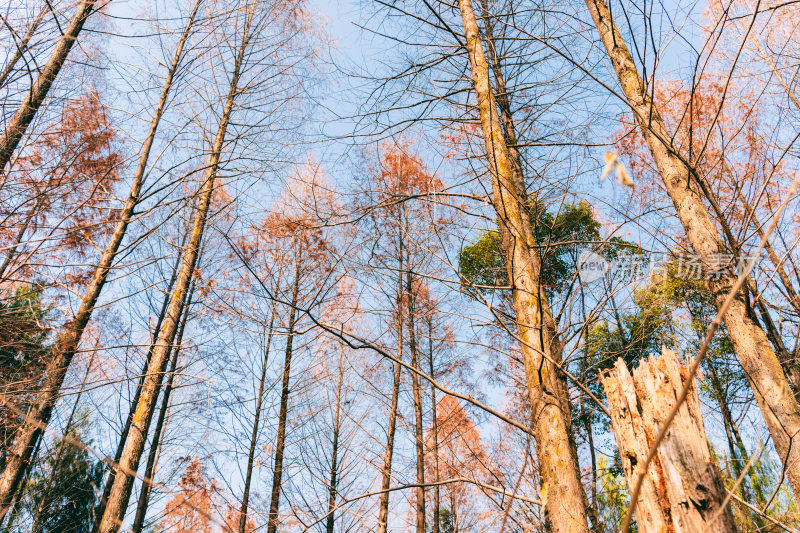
(586,416)
(155,445)
(760,363)
(129,463)
(416,391)
(434,430)
(739,454)
(33,100)
(280,441)
(22,46)
(541,350)
(334,474)
(386,474)
(254,435)
(123,437)
(67,342)
(420,442)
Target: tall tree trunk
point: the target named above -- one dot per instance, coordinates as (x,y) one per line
(434,430)
(123,437)
(256,420)
(22,46)
(788,363)
(67,342)
(129,463)
(762,367)
(33,100)
(280,441)
(562,490)
(417,394)
(386,473)
(155,445)
(334,474)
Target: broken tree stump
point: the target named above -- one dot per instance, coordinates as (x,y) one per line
(682,490)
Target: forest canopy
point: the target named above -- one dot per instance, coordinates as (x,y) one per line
(399,265)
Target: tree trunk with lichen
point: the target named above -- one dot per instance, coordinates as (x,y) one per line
(143,414)
(155,445)
(562,490)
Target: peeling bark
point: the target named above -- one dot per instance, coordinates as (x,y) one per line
(683,488)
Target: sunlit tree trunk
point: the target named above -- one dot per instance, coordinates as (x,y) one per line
(155,445)
(129,463)
(68,340)
(760,363)
(41,86)
(788,362)
(123,437)
(561,486)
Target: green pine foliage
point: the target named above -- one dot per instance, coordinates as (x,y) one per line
(23,354)
(560,238)
(62,491)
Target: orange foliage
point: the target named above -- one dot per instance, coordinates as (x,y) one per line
(193,508)
(77,165)
(401,173)
(719,138)
(461,455)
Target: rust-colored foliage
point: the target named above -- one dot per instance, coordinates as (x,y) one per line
(720,139)
(461,450)
(80,163)
(194,508)
(62,189)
